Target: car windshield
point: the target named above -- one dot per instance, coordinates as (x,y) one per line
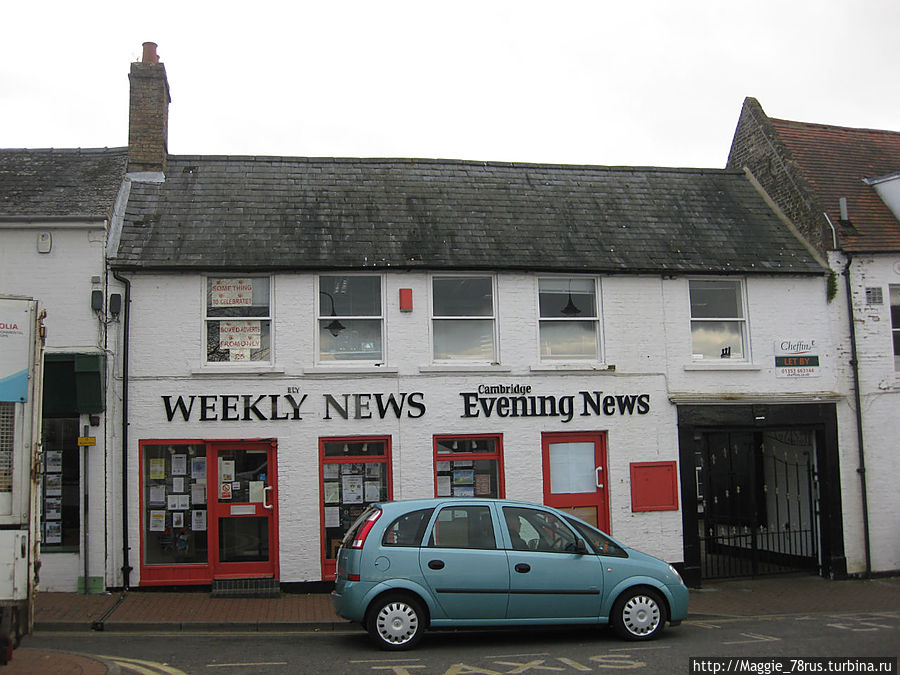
(597,540)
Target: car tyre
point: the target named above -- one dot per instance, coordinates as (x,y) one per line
(638,614)
(396,621)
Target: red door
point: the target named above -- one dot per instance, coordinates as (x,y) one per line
(575,477)
(243,509)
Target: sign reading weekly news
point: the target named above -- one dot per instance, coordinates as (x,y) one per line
(15,349)
(796,358)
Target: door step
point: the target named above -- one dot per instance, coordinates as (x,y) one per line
(257,587)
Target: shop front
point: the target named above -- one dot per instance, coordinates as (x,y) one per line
(264,486)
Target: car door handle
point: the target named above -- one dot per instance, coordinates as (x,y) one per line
(436,564)
(523,568)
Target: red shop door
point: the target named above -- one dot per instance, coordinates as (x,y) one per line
(575,477)
(243,509)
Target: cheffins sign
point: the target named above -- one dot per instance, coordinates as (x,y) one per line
(796,358)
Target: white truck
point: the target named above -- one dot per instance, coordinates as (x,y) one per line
(21,376)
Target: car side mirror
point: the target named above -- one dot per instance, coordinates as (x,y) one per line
(580,547)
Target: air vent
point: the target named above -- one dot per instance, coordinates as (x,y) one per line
(874,295)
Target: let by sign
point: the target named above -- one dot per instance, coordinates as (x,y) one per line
(796,358)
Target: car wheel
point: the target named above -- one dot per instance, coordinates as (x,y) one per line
(396,622)
(638,614)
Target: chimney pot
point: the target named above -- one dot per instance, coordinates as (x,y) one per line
(150,55)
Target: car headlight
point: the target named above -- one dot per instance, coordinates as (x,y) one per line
(677,575)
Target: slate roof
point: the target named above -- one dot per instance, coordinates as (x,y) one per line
(51,183)
(280,213)
(835,161)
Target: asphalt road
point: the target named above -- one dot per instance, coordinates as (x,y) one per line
(541,652)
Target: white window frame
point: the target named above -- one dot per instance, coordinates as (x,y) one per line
(598,346)
(495,357)
(894,292)
(323,313)
(743,321)
(267,317)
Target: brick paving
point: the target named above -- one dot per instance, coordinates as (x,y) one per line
(179,610)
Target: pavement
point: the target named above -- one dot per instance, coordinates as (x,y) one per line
(174,611)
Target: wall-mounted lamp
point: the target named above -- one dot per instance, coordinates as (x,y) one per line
(335,327)
(570,309)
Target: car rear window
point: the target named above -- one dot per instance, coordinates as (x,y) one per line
(407,530)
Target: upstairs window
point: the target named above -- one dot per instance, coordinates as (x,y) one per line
(350,318)
(718,320)
(238,319)
(568,319)
(895,324)
(463,318)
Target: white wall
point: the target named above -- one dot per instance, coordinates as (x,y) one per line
(646,336)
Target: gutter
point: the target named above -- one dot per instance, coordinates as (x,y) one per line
(861,469)
(126,321)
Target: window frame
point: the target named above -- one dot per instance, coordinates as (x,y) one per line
(268,318)
(595,320)
(321,314)
(742,321)
(472,456)
(493,318)
(894,293)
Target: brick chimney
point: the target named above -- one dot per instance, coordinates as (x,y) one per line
(148,113)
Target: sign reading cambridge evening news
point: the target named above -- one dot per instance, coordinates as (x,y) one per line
(796,358)
(15,352)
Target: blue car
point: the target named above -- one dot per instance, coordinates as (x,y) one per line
(407,566)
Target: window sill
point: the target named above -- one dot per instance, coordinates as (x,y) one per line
(725,364)
(574,368)
(238,369)
(465,368)
(351,370)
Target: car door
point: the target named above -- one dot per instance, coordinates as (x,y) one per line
(461,561)
(548,578)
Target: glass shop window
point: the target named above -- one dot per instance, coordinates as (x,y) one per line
(468,466)
(356,472)
(463,319)
(238,319)
(174,503)
(60,504)
(718,319)
(568,322)
(350,318)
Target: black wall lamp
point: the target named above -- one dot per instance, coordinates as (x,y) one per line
(335,327)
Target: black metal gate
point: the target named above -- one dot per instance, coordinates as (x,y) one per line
(757,502)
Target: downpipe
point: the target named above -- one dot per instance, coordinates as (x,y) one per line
(126,319)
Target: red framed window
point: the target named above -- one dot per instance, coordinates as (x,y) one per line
(468,466)
(353,473)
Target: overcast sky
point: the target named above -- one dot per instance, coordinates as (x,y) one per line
(629,82)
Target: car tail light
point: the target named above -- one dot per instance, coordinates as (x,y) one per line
(363,531)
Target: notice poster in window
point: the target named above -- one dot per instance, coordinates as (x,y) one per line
(463,491)
(332,516)
(236,334)
(352,488)
(373,491)
(443,466)
(226,470)
(333,493)
(198,493)
(53,461)
(179,465)
(198,520)
(178,503)
(198,468)
(463,476)
(52,508)
(53,533)
(482,484)
(157,495)
(225,491)
(443,486)
(230,292)
(53,484)
(373,471)
(331,471)
(157,521)
(178,484)
(157,468)
(178,519)
(256,489)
